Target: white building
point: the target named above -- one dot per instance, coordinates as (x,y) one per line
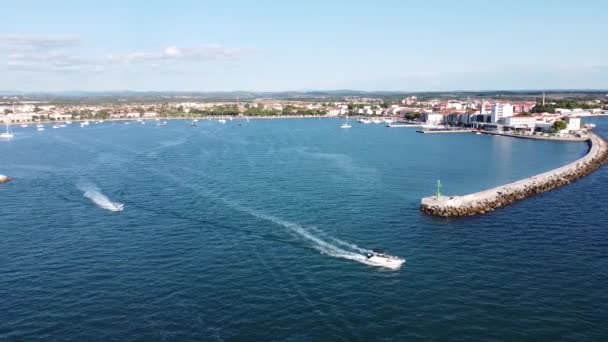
(431,118)
(574,123)
(520,121)
(454,105)
(501,111)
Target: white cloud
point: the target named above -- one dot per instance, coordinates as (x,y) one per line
(37,42)
(173,52)
(190,54)
(55,54)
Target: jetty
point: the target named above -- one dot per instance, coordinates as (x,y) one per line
(402,125)
(489,200)
(444,130)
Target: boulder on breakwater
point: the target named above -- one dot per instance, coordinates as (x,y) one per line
(489,200)
(4,179)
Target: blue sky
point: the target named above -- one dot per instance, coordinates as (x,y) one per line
(295,45)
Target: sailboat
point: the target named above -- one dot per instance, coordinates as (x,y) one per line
(346,124)
(8,134)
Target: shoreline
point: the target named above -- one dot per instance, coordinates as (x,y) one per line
(491,199)
(226,117)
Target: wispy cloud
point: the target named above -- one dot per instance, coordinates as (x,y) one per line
(64,53)
(192,54)
(36,42)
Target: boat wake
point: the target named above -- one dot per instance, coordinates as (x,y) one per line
(338,249)
(93,193)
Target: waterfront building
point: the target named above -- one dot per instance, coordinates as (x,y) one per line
(431,118)
(574,123)
(521,122)
(501,111)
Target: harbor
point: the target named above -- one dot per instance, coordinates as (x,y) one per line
(489,200)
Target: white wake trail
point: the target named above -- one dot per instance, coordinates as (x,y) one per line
(93,193)
(318,243)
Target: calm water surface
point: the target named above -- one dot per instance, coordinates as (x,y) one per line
(254,232)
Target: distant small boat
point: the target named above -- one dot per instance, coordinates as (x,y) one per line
(55,126)
(161,123)
(346,124)
(193,123)
(222,121)
(24,126)
(40,129)
(39,126)
(376,121)
(8,134)
(62,126)
(68,122)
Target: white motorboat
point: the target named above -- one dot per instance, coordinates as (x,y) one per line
(388,121)
(376,121)
(40,129)
(55,126)
(222,121)
(161,123)
(8,134)
(62,126)
(39,126)
(68,122)
(378,257)
(365,121)
(477,132)
(24,126)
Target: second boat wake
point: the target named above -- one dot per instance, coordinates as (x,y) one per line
(93,193)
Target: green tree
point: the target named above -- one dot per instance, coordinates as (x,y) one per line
(559,125)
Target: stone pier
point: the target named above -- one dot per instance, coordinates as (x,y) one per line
(491,199)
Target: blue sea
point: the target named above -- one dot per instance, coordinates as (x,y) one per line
(254,231)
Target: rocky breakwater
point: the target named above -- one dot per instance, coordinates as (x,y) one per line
(491,199)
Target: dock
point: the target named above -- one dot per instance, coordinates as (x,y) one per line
(444,130)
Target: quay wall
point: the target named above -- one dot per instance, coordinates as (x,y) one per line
(491,199)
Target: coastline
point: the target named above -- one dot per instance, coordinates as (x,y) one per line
(226,117)
(491,199)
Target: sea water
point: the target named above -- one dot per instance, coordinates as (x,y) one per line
(258,232)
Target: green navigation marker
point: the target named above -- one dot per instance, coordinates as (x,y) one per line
(438,189)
